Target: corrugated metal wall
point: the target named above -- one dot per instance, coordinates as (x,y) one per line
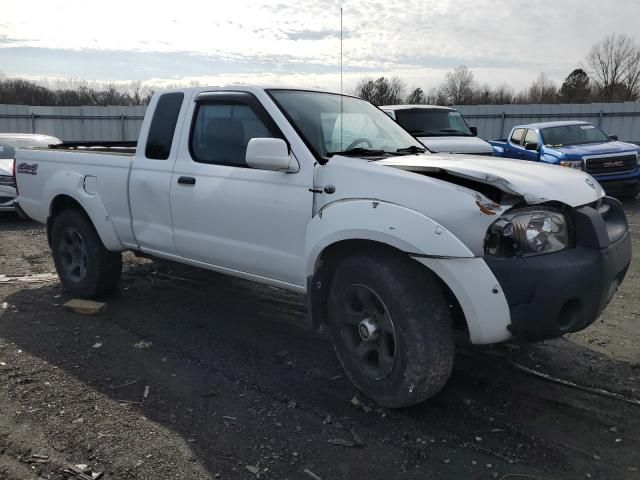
(493,121)
(73,123)
(496,121)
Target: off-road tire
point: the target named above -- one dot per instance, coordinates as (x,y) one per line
(421,319)
(102,268)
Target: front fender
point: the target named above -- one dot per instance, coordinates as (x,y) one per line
(383,222)
(72,184)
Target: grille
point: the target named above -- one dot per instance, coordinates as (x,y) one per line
(611,164)
(5,199)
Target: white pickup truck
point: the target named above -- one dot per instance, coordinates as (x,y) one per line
(396,249)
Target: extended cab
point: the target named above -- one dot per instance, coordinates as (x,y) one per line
(440,129)
(323,194)
(578,145)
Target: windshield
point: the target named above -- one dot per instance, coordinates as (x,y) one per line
(425,122)
(573,135)
(332,123)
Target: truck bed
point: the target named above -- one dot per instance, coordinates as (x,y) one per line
(117,148)
(97,174)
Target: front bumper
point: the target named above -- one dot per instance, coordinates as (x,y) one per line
(550,295)
(627,187)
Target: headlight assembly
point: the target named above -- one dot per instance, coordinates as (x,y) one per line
(577,164)
(526,232)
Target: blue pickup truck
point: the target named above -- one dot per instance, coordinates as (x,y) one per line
(579,145)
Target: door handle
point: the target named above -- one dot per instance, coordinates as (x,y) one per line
(186,181)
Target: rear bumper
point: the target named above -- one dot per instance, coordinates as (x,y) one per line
(20,211)
(563,292)
(7,198)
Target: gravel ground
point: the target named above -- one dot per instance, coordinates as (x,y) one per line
(193,375)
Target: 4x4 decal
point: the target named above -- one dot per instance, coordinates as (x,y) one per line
(29,169)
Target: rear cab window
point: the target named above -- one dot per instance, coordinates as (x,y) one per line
(163,126)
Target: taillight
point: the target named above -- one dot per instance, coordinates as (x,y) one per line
(15,179)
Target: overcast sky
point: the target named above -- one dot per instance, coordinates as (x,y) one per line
(297,43)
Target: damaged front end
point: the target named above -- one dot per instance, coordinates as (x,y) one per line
(558,248)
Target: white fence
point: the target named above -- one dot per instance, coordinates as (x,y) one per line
(493,121)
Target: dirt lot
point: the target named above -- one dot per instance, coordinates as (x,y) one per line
(192,375)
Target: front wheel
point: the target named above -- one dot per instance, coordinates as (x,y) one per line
(391,328)
(85,267)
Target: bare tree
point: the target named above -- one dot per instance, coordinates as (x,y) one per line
(542,90)
(458,86)
(381,91)
(503,94)
(615,67)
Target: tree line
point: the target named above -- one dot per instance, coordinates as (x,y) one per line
(612,75)
(72,93)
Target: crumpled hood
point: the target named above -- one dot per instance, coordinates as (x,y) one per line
(451,144)
(535,182)
(6,166)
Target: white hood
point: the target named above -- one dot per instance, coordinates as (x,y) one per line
(536,182)
(452,144)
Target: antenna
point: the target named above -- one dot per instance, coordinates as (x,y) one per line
(341,98)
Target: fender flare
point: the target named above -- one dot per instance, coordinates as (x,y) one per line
(382,222)
(71,184)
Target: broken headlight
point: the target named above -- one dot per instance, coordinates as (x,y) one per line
(525,232)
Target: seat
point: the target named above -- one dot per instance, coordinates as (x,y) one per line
(224,141)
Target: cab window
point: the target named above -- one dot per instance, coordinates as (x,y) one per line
(516,136)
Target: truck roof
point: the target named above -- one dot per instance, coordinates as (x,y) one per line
(251,88)
(416,107)
(562,123)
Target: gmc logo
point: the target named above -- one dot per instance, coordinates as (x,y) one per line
(617,163)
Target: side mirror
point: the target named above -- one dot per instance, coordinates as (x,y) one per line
(270,154)
(614,137)
(531,146)
(474,131)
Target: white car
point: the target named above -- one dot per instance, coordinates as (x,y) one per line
(440,129)
(8,144)
(325,195)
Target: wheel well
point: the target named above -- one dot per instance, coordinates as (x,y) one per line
(58,205)
(319,283)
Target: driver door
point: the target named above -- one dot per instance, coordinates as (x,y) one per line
(228,215)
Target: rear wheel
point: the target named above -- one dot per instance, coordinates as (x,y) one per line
(391,328)
(85,267)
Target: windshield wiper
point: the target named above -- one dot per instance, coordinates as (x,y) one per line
(453,130)
(411,149)
(420,133)
(369,152)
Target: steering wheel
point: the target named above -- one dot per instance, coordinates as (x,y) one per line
(358,141)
